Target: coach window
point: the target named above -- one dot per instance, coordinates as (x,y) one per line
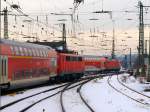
(46,53)
(16,50)
(12,50)
(37,52)
(25,51)
(33,52)
(41,54)
(29,51)
(21,51)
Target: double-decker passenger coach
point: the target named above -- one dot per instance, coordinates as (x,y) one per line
(24,63)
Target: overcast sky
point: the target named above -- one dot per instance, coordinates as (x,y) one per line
(126,24)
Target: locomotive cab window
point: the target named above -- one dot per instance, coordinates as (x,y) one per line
(67,58)
(80,58)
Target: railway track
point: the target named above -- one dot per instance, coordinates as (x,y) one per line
(82,98)
(78,90)
(22,99)
(131,88)
(130,93)
(3,107)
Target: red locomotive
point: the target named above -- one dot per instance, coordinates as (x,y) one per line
(93,64)
(70,66)
(25,63)
(112,65)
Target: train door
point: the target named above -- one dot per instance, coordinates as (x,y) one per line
(3,69)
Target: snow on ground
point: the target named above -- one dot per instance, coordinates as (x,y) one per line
(135,84)
(73,102)
(100,96)
(19,106)
(10,98)
(106,99)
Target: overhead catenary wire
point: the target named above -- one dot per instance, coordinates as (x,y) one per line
(26,15)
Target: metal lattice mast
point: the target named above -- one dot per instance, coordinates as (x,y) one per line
(64,37)
(113,43)
(0,20)
(6,23)
(141,39)
(148,75)
(130,58)
(145,53)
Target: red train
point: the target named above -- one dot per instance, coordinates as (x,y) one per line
(94,64)
(25,63)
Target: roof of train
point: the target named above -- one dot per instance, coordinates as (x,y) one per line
(70,54)
(92,56)
(23,44)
